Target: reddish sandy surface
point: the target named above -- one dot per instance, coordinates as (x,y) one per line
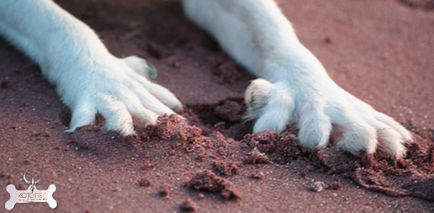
(381,51)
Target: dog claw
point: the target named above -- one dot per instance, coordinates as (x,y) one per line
(152,71)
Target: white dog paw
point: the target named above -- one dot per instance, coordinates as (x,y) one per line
(118,89)
(317,114)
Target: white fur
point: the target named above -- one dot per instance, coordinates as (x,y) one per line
(89,79)
(295,87)
(258,36)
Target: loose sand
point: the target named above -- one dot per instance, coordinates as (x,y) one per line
(381,51)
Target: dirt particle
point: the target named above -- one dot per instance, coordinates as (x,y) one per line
(188,206)
(200,196)
(257,176)
(317,186)
(144,182)
(27,162)
(147,165)
(257,157)
(328,40)
(333,185)
(308,169)
(172,152)
(165,191)
(207,181)
(225,168)
(41,134)
(116,189)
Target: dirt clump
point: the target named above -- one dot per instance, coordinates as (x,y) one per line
(257,157)
(410,176)
(257,176)
(173,127)
(207,181)
(144,182)
(317,186)
(223,168)
(165,191)
(188,206)
(333,186)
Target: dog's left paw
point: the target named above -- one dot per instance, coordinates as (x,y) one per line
(118,89)
(317,112)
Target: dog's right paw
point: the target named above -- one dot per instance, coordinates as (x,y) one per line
(319,111)
(119,90)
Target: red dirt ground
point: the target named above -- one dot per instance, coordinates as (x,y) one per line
(381,51)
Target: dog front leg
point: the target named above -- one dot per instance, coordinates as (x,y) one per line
(88,78)
(295,87)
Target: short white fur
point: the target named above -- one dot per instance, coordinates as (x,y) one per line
(295,87)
